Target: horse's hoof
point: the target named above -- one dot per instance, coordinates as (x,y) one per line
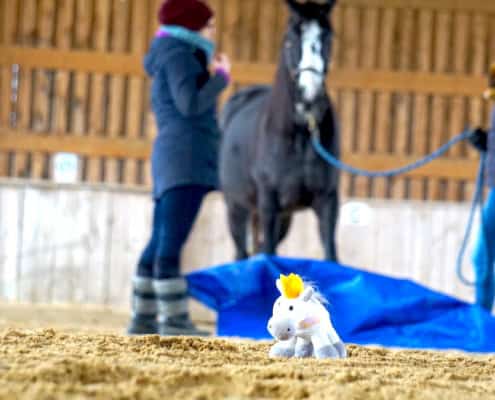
(304,350)
(340,347)
(278,350)
(329,351)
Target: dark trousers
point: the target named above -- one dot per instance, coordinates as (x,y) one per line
(173,218)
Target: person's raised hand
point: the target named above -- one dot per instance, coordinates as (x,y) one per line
(222,62)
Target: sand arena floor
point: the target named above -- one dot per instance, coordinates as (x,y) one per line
(48,353)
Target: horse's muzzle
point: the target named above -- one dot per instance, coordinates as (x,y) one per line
(281,328)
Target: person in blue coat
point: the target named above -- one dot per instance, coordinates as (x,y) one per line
(484,252)
(187,80)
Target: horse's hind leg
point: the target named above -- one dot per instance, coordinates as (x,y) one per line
(327,209)
(284,227)
(269,221)
(238,220)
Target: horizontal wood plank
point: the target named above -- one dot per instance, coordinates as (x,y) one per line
(249,73)
(445,5)
(73,60)
(455,168)
(82,145)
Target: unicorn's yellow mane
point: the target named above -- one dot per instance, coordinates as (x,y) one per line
(292,285)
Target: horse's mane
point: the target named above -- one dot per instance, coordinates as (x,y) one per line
(280,102)
(317,295)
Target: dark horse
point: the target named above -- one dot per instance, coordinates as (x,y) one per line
(268,167)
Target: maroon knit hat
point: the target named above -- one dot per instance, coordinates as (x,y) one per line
(190,14)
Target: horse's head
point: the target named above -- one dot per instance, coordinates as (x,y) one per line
(307,47)
(295,310)
(312,8)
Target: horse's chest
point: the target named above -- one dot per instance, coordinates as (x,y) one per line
(303,176)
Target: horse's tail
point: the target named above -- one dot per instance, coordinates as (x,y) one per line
(237,101)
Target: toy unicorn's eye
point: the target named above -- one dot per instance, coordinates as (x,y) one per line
(291,308)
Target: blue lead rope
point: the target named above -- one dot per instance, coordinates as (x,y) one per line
(477,202)
(392,172)
(478,195)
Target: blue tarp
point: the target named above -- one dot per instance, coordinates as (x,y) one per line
(366,308)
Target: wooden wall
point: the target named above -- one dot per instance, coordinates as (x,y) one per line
(80,244)
(406,76)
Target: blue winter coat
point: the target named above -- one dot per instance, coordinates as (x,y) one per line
(184,99)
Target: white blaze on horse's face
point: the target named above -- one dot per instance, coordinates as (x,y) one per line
(312,65)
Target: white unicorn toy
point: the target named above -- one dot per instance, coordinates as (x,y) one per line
(301,323)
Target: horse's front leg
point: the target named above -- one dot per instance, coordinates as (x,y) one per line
(324,348)
(304,348)
(285,349)
(238,218)
(269,221)
(327,209)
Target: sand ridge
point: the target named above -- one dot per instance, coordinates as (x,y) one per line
(57,364)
